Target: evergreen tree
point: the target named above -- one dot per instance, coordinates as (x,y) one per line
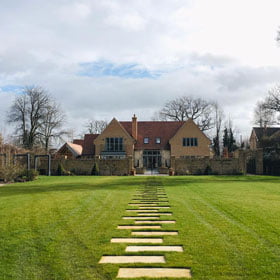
(216,145)
(225,138)
(231,141)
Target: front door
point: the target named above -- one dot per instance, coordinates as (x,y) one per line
(151,159)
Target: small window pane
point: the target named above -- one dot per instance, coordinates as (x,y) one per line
(157,140)
(146,140)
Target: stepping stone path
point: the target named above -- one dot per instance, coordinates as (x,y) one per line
(148,206)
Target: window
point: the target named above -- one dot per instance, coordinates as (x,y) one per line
(158,140)
(190,142)
(114,144)
(146,140)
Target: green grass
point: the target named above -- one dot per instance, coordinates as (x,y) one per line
(59,227)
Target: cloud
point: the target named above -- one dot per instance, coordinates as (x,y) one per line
(105,59)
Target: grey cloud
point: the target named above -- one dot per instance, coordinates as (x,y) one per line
(42,44)
(238,77)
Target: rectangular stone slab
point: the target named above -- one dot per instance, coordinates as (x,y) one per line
(155,222)
(153,233)
(141,210)
(154,272)
(132,259)
(140,218)
(154,249)
(152,201)
(137,240)
(139,227)
(154,214)
(142,204)
(153,207)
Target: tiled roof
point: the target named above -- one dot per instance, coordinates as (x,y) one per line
(265,131)
(165,130)
(75,149)
(88,147)
(78,142)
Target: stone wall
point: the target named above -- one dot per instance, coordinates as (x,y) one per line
(206,165)
(85,166)
(181,166)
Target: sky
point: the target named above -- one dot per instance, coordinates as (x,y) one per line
(115,58)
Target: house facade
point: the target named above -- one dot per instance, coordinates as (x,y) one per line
(151,145)
(264,137)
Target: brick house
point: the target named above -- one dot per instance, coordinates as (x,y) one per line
(263,137)
(149,144)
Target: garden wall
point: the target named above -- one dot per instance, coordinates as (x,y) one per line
(206,165)
(85,166)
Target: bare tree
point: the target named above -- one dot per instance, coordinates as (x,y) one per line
(263,116)
(34,114)
(272,101)
(51,128)
(96,126)
(188,107)
(267,112)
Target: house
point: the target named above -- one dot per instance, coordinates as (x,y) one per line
(149,144)
(262,137)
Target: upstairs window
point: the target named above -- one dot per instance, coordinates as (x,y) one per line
(114,144)
(158,140)
(190,142)
(146,140)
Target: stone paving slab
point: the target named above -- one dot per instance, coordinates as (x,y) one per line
(154,207)
(155,222)
(143,204)
(140,218)
(161,248)
(141,198)
(153,233)
(132,259)
(155,214)
(136,240)
(138,227)
(141,210)
(152,201)
(154,272)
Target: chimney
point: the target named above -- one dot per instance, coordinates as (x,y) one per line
(134,127)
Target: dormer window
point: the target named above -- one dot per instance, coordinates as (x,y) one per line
(158,140)
(146,140)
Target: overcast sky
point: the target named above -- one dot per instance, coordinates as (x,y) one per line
(113,58)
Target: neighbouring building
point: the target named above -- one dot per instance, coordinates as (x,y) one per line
(149,144)
(264,137)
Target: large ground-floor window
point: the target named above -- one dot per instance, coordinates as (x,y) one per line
(151,159)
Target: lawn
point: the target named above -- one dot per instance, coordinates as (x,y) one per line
(59,227)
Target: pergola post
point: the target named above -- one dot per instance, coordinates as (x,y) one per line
(49,162)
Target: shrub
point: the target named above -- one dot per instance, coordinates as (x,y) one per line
(61,171)
(95,170)
(16,173)
(208,170)
(10,172)
(28,175)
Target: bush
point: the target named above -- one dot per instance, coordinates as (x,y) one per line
(95,170)
(10,172)
(61,171)
(208,170)
(16,173)
(28,175)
